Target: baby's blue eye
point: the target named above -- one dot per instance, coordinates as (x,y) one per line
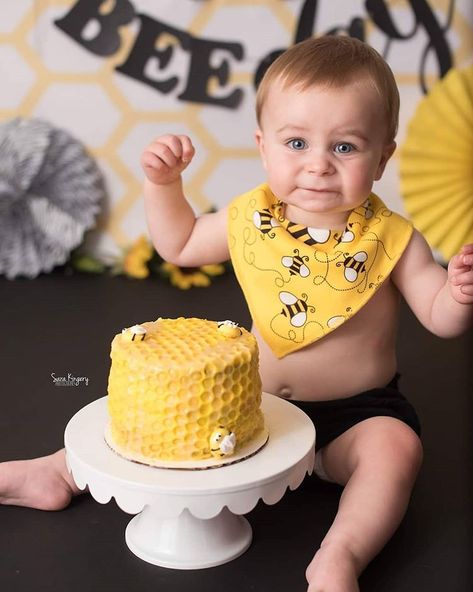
(297,144)
(343,148)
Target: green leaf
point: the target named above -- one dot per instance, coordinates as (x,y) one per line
(87,264)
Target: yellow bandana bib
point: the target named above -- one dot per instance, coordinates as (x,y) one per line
(301,283)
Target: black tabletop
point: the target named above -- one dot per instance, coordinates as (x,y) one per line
(59,324)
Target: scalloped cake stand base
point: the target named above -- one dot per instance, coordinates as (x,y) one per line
(191,519)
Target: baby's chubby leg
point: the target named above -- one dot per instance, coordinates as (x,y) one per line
(42,483)
(377,461)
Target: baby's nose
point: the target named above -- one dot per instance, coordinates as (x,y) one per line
(319,163)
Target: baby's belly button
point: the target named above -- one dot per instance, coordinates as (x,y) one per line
(285,392)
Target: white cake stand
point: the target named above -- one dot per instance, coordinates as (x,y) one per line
(191,519)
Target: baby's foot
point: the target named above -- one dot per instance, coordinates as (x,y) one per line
(333,569)
(42,483)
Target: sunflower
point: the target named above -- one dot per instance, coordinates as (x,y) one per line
(188,277)
(436,164)
(137,257)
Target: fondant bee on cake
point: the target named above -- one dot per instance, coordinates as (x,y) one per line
(222,442)
(229,328)
(137,332)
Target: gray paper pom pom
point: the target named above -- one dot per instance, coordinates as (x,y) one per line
(50,190)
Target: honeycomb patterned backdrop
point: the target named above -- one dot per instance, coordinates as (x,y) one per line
(89,82)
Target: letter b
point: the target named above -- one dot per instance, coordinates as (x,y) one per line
(86,14)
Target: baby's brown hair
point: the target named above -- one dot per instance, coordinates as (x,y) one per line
(333,61)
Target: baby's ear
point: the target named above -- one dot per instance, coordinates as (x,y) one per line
(386,154)
(258,137)
(260,143)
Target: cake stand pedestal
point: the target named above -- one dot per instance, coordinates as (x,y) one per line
(191,519)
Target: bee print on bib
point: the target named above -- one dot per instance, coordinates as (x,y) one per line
(265,222)
(355,265)
(296,264)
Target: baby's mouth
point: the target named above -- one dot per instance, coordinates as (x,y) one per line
(319,189)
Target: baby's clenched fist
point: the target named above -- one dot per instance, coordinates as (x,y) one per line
(164,159)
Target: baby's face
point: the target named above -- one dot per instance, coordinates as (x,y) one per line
(322,149)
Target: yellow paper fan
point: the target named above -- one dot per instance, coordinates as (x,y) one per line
(436,165)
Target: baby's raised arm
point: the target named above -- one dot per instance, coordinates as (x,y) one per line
(177,234)
(441,299)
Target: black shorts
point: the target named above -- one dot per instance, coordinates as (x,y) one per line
(333,418)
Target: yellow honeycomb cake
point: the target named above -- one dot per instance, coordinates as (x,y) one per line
(183,389)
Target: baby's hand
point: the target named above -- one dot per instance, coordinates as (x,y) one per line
(460,275)
(165,159)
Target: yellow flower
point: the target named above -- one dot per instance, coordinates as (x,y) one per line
(213,270)
(134,263)
(186,278)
